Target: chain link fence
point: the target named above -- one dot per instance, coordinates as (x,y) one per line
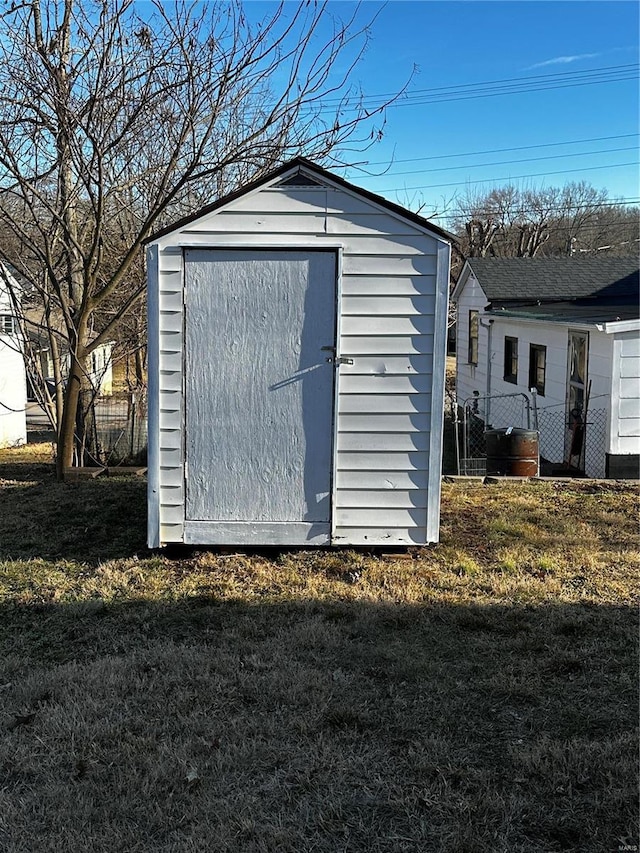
(569,446)
(573,446)
(121,429)
(478,414)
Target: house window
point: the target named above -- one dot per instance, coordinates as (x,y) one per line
(510,359)
(537,367)
(7,324)
(474,325)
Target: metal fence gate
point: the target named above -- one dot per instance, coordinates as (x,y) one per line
(570,447)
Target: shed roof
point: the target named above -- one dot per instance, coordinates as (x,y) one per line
(290,169)
(600,280)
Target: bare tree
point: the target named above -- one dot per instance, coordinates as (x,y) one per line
(587,220)
(503,222)
(513,222)
(482,217)
(112,123)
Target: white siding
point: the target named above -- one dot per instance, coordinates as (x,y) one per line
(552,335)
(101,373)
(625,427)
(13,389)
(555,337)
(470,377)
(386,439)
(552,405)
(171,403)
(13,394)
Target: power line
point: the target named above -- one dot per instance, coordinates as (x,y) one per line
(467,91)
(521,91)
(499,163)
(500,150)
(508,91)
(523,211)
(509,178)
(554,228)
(538,79)
(612,246)
(10,409)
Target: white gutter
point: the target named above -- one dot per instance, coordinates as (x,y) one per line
(614,326)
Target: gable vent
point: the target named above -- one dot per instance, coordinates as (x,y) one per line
(299,180)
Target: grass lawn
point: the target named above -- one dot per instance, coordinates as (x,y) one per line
(478,695)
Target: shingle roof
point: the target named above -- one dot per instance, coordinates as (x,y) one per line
(599,280)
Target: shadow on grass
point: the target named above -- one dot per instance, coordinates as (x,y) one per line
(213,722)
(89,521)
(317,725)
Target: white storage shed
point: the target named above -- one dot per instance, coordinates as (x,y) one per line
(297,334)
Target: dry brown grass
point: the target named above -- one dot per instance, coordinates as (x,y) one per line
(34,452)
(478,696)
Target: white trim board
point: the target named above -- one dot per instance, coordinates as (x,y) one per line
(256,533)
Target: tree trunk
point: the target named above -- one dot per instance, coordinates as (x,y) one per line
(67,429)
(140,374)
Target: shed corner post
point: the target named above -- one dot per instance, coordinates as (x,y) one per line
(336,398)
(153,403)
(437,392)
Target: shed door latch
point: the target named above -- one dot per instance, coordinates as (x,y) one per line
(340,359)
(334,359)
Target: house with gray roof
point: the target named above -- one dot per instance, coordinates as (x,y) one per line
(566,333)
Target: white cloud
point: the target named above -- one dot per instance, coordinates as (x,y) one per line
(564,60)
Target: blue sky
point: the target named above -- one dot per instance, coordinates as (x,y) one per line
(571,114)
(455,44)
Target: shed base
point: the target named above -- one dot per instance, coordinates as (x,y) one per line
(256,533)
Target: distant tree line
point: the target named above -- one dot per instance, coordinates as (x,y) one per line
(510,222)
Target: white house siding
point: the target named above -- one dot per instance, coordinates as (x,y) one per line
(469,377)
(552,405)
(13,394)
(389,424)
(625,431)
(13,388)
(605,427)
(555,337)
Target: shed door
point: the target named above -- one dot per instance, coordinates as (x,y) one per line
(259,395)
